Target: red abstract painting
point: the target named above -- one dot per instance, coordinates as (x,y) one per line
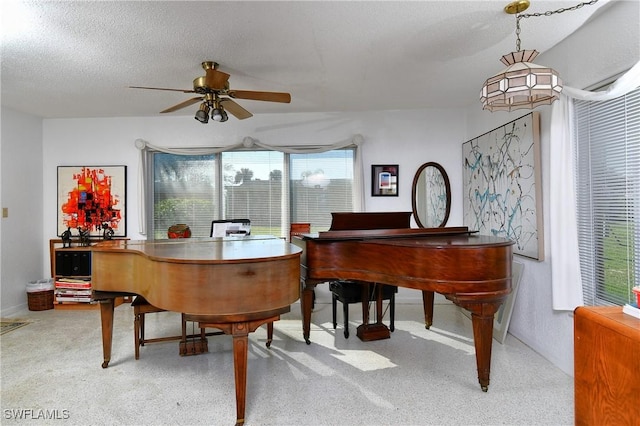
(92,199)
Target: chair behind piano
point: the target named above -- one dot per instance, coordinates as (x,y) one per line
(349,292)
(299,228)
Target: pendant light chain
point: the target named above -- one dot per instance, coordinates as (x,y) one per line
(547,13)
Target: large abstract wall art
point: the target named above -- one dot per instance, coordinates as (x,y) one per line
(502,189)
(93,199)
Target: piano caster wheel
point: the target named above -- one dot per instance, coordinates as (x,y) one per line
(307,341)
(346,334)
(105,364)
(268,344)
(484,388)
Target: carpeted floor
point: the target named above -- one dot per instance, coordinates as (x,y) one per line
(52,370)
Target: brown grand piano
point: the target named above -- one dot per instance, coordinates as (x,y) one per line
(233,284)
(473,271)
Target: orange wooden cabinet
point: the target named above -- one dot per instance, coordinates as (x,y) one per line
(606,367)
(72,263)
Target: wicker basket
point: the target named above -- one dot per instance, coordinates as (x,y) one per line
(40,300)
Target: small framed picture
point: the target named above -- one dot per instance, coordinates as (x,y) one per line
(384,180)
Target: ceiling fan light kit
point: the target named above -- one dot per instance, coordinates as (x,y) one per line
(523,84)
(202,114)
(217,97)
(219,115)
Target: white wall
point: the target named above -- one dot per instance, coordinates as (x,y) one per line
(21,232)
(609,45)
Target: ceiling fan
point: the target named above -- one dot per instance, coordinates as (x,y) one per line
(217,98)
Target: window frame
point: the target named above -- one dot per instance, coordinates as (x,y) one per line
(149,178)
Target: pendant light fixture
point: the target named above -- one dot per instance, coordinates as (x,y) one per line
(522,84)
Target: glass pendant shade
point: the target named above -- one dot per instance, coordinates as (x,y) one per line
(521,85)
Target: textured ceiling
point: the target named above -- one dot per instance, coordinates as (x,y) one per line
(77,58)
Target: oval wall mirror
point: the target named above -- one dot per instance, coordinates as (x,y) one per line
(431,196)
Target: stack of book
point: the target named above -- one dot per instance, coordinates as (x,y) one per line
(73,290)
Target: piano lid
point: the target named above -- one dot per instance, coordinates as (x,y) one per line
(350,234)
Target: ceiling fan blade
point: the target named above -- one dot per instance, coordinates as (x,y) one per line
(235,109)
(261,96)
(183,104)
(215,79)
(160,88)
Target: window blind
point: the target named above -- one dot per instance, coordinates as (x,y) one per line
(253,189)
(321,183)
(184,191)
(607,147)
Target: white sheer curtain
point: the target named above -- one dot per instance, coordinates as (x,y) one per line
(566,280)
(247,142)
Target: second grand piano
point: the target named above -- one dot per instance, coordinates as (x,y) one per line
(473,271)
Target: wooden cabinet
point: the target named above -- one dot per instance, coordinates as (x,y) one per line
(73,263)
(71,266)
(606,367)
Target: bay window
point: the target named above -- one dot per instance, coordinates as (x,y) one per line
(271,188)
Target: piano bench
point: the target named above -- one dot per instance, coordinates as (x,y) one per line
(349,292)
(140,308)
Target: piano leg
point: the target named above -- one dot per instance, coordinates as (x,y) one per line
(427,303)
(306,303)
(240,332)
(482,313)
(482,336)
(239,326)
(240,350)
(269,334)
(106,318)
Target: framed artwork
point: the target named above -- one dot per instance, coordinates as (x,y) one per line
(384,180)
(92,198)
(502,185)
